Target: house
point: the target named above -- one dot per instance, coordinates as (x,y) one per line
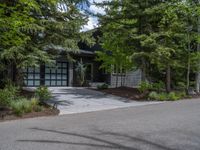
(63,73)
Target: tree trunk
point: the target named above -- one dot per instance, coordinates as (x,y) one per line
(121,79)
(168,78)
(188,74)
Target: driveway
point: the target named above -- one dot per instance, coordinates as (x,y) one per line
(166,126)
(71,100)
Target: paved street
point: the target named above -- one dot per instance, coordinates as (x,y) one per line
(166,126)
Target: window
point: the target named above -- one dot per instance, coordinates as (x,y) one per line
(32,76)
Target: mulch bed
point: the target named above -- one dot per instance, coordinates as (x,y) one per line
(126,92)
(134,94)
(46,111)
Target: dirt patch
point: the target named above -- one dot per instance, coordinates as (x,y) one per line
(126,92)
(46,111)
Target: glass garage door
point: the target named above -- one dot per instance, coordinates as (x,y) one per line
(32,76)
(56,75)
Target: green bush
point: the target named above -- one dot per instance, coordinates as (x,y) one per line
(8,94)
(21,106)
(42,93)
(172,96)
(153,95)
(158,86)
(163,97)
(144,86)
(5,98)
(14,90)
(34,101)
(35,105)
(103,86)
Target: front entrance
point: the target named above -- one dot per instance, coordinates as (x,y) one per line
(52,76)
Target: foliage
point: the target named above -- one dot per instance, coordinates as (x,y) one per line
(103,86)
(81,71)
(156,34)
(5,98)
(21,106)
(153,95)
(42,93)
(34,103)
(172,96)
(7,95)
(158,86)
(144,86)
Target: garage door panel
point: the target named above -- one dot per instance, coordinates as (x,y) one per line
(56,75)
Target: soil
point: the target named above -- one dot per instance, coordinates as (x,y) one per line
(126,92)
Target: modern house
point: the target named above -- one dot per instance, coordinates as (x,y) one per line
(63,72)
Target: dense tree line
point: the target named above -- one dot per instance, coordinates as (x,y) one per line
(160,37)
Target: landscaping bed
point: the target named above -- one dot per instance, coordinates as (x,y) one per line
(126,92)
(16,103)
(46,111)
(147,94)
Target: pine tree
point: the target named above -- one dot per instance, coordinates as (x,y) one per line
(37,31)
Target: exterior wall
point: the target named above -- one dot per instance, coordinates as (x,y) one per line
(131,79)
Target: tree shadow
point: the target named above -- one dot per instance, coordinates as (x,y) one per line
(108,144)
(88,94)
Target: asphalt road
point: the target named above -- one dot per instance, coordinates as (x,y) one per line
(166,126)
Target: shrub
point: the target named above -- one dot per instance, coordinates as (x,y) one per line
(34,102)
(14,90)
(42,93)
(158,86)
(21,106)
(5,98)
(163,97)
(153,95)
(173,96)
(103,86)
(8,94)
(144,86)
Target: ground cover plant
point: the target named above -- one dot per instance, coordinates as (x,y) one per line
(20,105)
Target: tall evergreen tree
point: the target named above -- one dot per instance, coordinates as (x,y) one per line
(34,31)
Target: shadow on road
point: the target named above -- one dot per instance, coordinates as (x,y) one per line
(105,144)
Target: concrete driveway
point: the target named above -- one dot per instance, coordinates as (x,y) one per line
(71,100)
